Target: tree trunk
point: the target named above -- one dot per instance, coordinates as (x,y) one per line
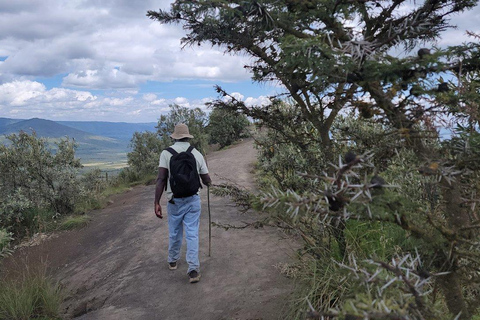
(452,290)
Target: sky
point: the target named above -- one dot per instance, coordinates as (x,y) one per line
(104,60)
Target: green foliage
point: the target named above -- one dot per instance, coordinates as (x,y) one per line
(5,239)
(74,222)
(127,175)
(144,157)
(322,286)
(147,146)
(295,149)
(195,119)
(225,127)
(31,295)
(39,184)
(33,175)
(329,68)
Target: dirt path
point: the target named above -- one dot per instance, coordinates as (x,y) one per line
(116,268)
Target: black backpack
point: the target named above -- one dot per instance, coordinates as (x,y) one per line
(184,178)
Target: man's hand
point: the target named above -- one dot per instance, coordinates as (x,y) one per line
(158,211)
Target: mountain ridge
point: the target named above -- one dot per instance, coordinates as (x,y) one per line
(102,140)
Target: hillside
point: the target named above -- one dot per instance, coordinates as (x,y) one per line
(90,147)
(7,121)
(43,128)
(115,130)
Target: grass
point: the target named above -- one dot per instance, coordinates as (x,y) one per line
(30,295)
(5,239)
(74,222)
(318,283)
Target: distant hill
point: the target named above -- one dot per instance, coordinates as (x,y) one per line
(90,146)
(7,121)
(117,130)
(43,128)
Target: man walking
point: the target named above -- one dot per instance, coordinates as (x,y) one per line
(179,170)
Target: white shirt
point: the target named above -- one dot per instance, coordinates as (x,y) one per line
(178,146)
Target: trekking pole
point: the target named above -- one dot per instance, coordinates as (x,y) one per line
(209,224)
(209,214)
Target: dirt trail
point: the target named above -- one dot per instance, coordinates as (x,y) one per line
(115,268)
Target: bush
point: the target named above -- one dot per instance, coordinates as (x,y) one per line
(226,126)
(147,146)
(144,157)
(39,182)
(195,119)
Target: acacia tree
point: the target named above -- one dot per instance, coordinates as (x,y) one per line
(322,52)
(335,55)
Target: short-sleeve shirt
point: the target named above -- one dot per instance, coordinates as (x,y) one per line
(178,146)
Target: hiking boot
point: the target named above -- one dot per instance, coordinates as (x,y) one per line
(172,265)
(194,276)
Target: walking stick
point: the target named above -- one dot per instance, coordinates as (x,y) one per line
(209,224)
(209,214)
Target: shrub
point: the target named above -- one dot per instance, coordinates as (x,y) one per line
(226,126)
(39,182)
(147,146)
(195,119)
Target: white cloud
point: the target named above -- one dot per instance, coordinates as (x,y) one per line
(89,40)
(27,99)
(260,101)
(149,97)
(112,46)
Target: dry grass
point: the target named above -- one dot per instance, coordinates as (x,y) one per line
(29,294)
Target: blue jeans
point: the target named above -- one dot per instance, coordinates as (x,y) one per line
(184,214)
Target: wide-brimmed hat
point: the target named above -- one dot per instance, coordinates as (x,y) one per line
(180,132)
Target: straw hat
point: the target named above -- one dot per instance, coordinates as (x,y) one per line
(180,132)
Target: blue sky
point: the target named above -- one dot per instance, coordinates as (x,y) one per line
(106,61)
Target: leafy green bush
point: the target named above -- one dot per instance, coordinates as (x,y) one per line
(283,155)
(147,146)
(38,183)
(195,119)
(226,126)
(144,157)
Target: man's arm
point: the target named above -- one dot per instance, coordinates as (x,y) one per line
(161,182)
(207,181)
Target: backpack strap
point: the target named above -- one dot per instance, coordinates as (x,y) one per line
(171,150)
(189,150)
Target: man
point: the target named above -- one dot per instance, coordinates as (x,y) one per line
(183,211)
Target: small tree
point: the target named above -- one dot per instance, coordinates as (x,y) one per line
(147,146)
(146,149)
(225,127)
(195,119)
(35,177)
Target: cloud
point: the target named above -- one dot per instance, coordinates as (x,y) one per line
(104,52)
(149,97)
(103,45)
(259,101)
(27,99)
